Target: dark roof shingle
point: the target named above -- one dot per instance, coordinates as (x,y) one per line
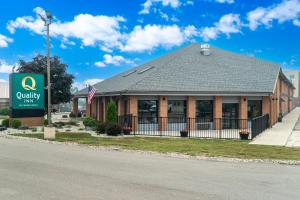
(188,71)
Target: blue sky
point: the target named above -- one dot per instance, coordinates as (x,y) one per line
(100,38)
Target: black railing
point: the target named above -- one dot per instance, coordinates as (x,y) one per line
(259,124)
(196,127)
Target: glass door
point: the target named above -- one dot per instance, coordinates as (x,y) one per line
(230,115)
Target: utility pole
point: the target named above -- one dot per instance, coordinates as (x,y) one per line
(47,24)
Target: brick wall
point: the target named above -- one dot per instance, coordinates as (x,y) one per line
(163,113)
(218,111)
(32,121)
(191,112)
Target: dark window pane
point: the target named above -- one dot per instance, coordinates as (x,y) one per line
(176,111)
(254,108)
(147,111)
(204,110)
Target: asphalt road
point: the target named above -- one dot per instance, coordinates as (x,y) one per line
(31,170)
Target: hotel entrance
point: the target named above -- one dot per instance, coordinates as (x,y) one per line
(230,115)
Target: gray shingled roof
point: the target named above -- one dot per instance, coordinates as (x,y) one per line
(188,71)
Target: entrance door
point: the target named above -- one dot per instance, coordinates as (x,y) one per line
(230,115)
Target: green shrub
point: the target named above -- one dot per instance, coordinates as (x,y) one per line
(101,128)
(5,123)
(45,122)
(113,129)
(90,122)
(16,123)
(4,111)
(112,113)
(34,130)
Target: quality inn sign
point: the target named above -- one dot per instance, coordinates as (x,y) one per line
(27,91)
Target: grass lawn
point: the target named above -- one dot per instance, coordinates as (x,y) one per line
(205,147)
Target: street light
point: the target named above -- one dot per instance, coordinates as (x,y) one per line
(47,24)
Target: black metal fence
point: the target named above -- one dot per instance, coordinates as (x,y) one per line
(259,124)
(223,128)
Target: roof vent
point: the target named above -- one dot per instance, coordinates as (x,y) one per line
(131,72)
(144,70)
(205,49)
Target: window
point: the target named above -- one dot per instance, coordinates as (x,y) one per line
(176,110)
(147,111)
(254,108)
(292,77)
(204,110)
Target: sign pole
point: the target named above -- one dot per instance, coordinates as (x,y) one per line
(48,74)
(47,24)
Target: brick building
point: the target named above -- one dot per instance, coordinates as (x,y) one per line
(196,82)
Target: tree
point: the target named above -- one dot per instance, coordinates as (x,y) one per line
(60,79)
(112,113)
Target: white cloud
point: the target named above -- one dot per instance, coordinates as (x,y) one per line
(5,68)
(225,1)
(190,31)
(153,36)
(2,81)
(296,22)
(89,29)
(227,25)
(189,2)
(112,60)
(149,3)
(287,10)
(4,40)
(84,84)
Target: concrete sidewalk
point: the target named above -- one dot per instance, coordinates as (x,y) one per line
(280,133)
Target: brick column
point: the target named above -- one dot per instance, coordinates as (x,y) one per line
(163,113)
(104,109)
(266,105)
(218,112)
(191,113)
(75,106)
(87,108)
(100,110)
(243,113)
(133,110)
(121,107)
(94,108)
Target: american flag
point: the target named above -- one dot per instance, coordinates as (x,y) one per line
(92,92)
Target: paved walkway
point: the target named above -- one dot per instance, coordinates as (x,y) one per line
(294,139)
(281,133)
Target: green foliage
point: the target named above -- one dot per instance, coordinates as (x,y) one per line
(5,123)
(45,122)
(90,122)
(113,129)
(60,79)
(101,128)
(4,111)
(16,123)
(34,130)
(112,113)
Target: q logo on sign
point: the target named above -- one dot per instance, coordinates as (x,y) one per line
(26,86)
